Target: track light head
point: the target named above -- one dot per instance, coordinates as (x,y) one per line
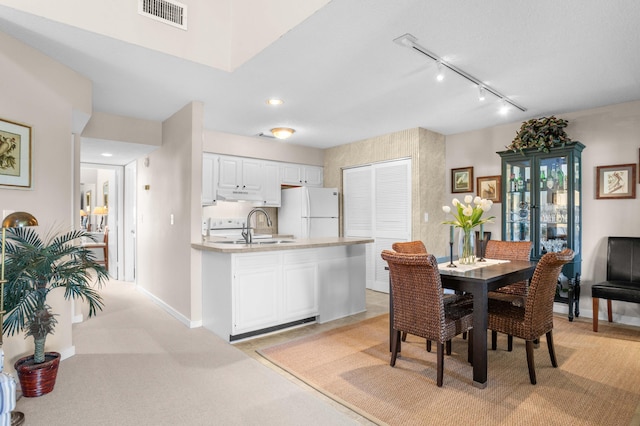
(440,75)
(481,93)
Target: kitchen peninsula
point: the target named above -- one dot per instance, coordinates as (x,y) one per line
(252,289)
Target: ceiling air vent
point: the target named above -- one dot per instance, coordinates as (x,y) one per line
(169,12)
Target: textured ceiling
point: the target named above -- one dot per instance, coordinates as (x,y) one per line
(343,78)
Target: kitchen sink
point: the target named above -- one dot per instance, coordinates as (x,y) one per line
(255,242)
(273,242)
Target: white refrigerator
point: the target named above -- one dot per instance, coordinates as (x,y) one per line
(309,212)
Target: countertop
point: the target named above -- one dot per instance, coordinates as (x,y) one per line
(219,246)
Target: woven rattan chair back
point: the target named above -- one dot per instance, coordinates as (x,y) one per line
(515,293)
(538,312)
(418,307)
(413,247)
(508,250)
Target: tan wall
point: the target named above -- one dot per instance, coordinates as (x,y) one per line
(610,135)
(123,129)
(164,254)
(46,102)
(259,147)
(427,152)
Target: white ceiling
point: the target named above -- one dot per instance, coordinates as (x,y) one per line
(343,78)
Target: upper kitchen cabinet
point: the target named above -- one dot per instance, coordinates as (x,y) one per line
(209,179)
(227,178)
(272,193)
(240,173)
(301,175)
(542,202)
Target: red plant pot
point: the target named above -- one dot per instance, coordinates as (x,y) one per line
(37,379)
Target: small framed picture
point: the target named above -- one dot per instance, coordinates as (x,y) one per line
(490,188)
(617,181)
(15,154)
(462,179)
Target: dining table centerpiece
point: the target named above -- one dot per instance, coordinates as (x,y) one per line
(467,216)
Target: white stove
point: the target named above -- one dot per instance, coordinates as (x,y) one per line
(226,227)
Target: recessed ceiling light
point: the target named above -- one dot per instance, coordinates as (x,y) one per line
(275,101)
(107,154)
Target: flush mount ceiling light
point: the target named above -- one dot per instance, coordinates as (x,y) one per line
(275,101)
(107,154)
(410,41)
(282,132)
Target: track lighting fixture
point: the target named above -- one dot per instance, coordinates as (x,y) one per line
(481,93)
(410,41)
(504,107)
(440,75)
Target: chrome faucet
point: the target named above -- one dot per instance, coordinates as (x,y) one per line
(247,235)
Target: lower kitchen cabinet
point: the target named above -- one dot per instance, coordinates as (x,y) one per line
(246,294)
(300,285)
(256,292)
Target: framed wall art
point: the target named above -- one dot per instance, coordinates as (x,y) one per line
(617,181)
(490,187)
(462,179)
(15,154)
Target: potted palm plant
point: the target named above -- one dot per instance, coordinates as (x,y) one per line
(35,266)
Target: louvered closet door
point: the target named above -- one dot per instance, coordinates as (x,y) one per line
(377,200)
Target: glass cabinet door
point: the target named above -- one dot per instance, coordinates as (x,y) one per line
(553,204)
(517,201)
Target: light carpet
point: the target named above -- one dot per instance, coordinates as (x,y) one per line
(597,380)
(136,365)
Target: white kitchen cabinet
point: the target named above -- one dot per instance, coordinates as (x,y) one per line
(300,284)
(256,292)
(250,293)
(302,175)
(272,193)
(313,175)
(209,178)
(240,173)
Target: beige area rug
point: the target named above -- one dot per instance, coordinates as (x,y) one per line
(597,380)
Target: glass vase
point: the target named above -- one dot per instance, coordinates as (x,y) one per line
(466,247)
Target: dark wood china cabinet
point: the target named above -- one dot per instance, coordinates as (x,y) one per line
(542,203)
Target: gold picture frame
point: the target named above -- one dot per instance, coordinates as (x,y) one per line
(462,179)
(616,182)
(15,154)
(490,188)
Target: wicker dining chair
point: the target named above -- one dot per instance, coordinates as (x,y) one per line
(409,247)
(514,293)
(535,318)
(417,247)
(419,308)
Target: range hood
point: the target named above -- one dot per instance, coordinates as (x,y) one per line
(239,195)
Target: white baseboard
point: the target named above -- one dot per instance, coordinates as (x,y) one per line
(177,315)
(67,353)
(561,308)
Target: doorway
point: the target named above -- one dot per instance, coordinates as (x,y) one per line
(102,209)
